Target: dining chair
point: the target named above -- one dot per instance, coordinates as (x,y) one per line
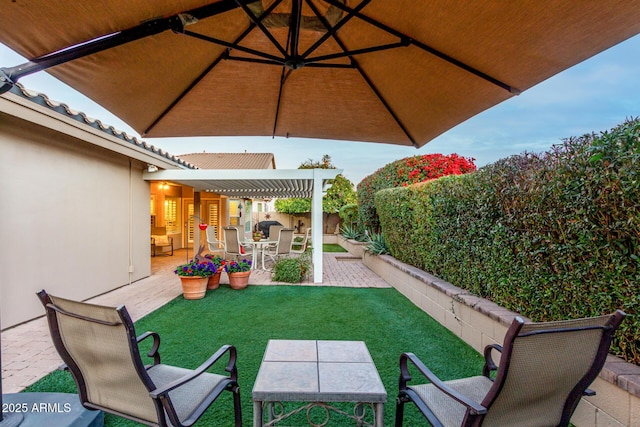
(544,370)
(274,230)
(232,246)
(282,247)
(302,246)
(99,346)
(215,245)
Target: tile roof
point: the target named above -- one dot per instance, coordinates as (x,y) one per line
(230,160)
(59,107)
(191,161)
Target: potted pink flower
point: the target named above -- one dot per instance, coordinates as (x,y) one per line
(218,262)
(194,276)
(239,272)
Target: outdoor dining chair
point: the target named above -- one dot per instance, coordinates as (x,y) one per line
(213,243)
(282,247)
(544,370)
(99,346)
(233,248)
(274,230)
(301,247)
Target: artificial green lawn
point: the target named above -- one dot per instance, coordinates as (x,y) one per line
(332,247)
(389,324)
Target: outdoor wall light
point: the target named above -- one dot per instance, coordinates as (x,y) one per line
(152,168)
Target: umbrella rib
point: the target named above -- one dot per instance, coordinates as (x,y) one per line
(258,22)
(386,104)
(222,56)
(294,27)
(252,60)
(98,44)
(283,77)
(333,29)
(425,47)
(366,79)
(233,45)
(321,65)
(350,53)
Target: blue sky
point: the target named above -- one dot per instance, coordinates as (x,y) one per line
(592,96)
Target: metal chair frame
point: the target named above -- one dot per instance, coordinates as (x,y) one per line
(476,411)
(165,405)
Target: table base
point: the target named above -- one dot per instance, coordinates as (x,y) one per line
(318,414)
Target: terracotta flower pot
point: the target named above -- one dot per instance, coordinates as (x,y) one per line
(214,281)
(194,287)
(239,280)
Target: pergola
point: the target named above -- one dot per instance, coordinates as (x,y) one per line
(259,183)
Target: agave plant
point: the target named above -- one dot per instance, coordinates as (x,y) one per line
(377,245)
(350,232)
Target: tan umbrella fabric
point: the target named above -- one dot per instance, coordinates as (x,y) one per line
(451,60)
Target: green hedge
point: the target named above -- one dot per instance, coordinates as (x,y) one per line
(551,236)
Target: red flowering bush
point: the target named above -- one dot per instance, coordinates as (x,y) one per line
(410,170)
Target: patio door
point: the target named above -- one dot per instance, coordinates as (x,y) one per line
(212,216)
(191,222)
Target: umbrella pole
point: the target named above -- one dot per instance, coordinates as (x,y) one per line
(9,76)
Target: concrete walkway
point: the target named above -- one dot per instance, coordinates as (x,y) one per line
(28,353)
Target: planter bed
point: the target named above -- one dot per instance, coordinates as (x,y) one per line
(480,322)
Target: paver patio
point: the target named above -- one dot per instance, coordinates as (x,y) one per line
(28,353)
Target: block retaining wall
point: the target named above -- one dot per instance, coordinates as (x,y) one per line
(480,322)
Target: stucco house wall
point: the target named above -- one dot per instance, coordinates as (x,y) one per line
(74,209)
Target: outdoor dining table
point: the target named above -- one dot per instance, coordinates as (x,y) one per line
(318,373)
(257,247)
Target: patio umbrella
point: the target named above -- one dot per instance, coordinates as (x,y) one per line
(393,71)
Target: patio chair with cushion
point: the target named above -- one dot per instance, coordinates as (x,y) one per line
(99,346)
(282,247)
(233,248)
(544,370)
(160,240)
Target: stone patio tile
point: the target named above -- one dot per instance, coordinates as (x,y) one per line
(340,351)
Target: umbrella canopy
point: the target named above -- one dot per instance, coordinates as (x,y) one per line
(392,71)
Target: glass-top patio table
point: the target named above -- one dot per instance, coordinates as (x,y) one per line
(258,247)
(318,372)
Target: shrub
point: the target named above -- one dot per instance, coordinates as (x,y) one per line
(349,214)
(551,236)
(291,270)
(404,172)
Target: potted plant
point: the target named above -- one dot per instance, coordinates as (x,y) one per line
(194,276)
(257,236)
(218,262)
(239,272)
